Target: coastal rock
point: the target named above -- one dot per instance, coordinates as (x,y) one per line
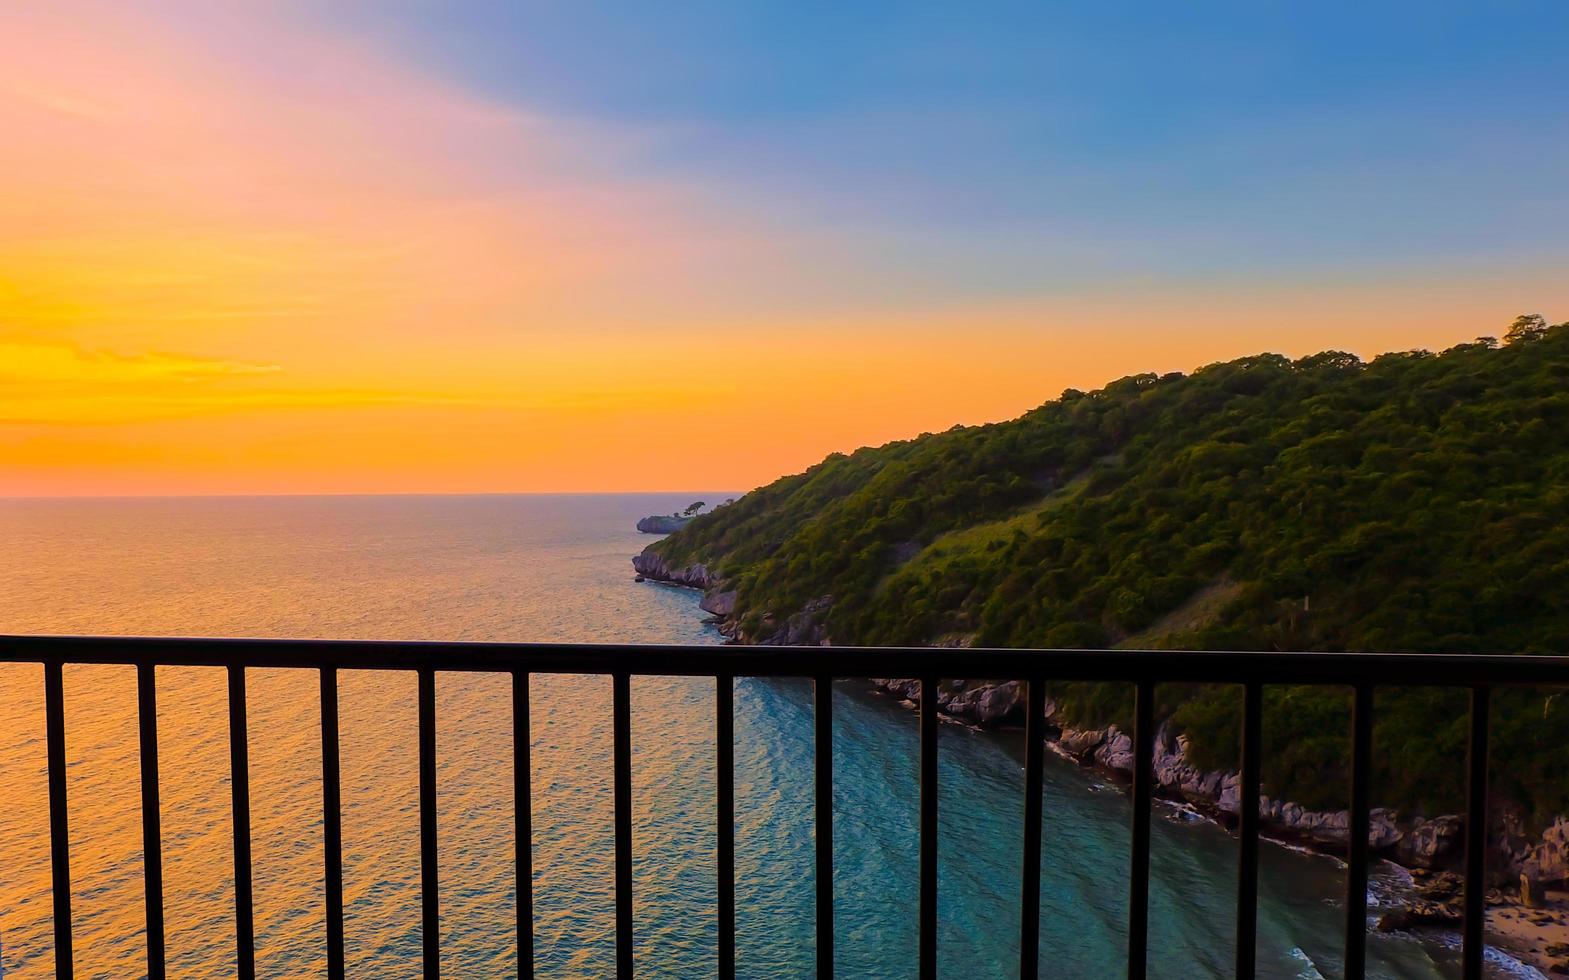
(1432,843)
(905,688)
(1116,752)
(1419,844)
(1326,827)
(662,524)
(1001,703)
(1180,778)
(1418,914)
(1219,792)
(651,564)
(1383,829)
(1081,743)
(986,704)
(719,603)
(978,704)
(1548,861)
(803,628)
(1229,799)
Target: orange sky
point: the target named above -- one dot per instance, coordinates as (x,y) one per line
(328,270)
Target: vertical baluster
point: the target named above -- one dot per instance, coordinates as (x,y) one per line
(152,837)
(623,794)
(430,890)
(59,831)
(1356,861)
(823,751)
(522,803)
(724,752)
(332,822)
(928,900)
(1475,836)
(1034,752)
(1139,866)
(1247,831)
(240,786)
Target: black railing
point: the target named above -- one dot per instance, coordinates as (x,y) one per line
(1144,669)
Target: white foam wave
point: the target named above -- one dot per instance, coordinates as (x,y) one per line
(1309,970)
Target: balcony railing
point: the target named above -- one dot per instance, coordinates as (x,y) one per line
(1144,669)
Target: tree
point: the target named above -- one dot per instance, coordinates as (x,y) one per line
(1530,326)
(692,510)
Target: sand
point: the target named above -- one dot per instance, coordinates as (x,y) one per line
(1527,933)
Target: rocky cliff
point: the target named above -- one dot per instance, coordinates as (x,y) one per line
(1435,844)
(651,564)
(662,524)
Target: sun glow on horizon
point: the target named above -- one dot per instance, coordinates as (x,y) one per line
(242,250)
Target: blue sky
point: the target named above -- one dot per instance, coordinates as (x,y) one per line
(1030,143)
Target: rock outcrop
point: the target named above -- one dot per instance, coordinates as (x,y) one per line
(662,524)
(1431,843)
(802,629)
(986,705)
(651,564)
(1548,861)
(719,603)
(1436,903)
(1424,844)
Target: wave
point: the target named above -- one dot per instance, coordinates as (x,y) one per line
(1309,970)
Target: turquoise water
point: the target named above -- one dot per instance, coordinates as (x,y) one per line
(542,568)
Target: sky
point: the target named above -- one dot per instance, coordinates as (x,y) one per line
(348,246)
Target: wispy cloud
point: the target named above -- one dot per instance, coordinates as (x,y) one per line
(31,365)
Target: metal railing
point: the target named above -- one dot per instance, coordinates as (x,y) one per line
(1144,669)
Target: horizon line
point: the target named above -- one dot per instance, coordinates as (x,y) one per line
(363,493)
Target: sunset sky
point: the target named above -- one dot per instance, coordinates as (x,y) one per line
(386,245)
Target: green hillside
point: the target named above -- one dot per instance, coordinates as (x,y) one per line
(1417,502)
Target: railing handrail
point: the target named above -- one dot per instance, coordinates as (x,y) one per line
(1142,668)
(708,660)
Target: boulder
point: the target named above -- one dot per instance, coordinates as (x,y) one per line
(1548,861)
(1432,843)
(651,564)
(1383,830)
(906,688)
(1229,798)
(1421,913)
(1081,743)
(985,703)
(1001,702)
(1116,752)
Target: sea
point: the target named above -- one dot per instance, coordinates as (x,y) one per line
(546,568)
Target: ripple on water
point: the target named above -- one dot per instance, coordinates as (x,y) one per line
(549,569)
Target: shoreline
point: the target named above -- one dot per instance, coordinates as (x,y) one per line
(1519,936)
(1533,942)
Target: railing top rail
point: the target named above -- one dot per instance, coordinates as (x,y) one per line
(1193,666)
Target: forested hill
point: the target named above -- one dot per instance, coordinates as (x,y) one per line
(1416,502)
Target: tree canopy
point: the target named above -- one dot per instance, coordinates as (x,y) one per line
(1415,502)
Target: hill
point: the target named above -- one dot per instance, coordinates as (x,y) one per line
(1416,502)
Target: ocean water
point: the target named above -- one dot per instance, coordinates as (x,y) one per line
(548,568)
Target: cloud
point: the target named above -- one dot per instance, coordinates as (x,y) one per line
(31,365)
(55,383)
(213,157)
